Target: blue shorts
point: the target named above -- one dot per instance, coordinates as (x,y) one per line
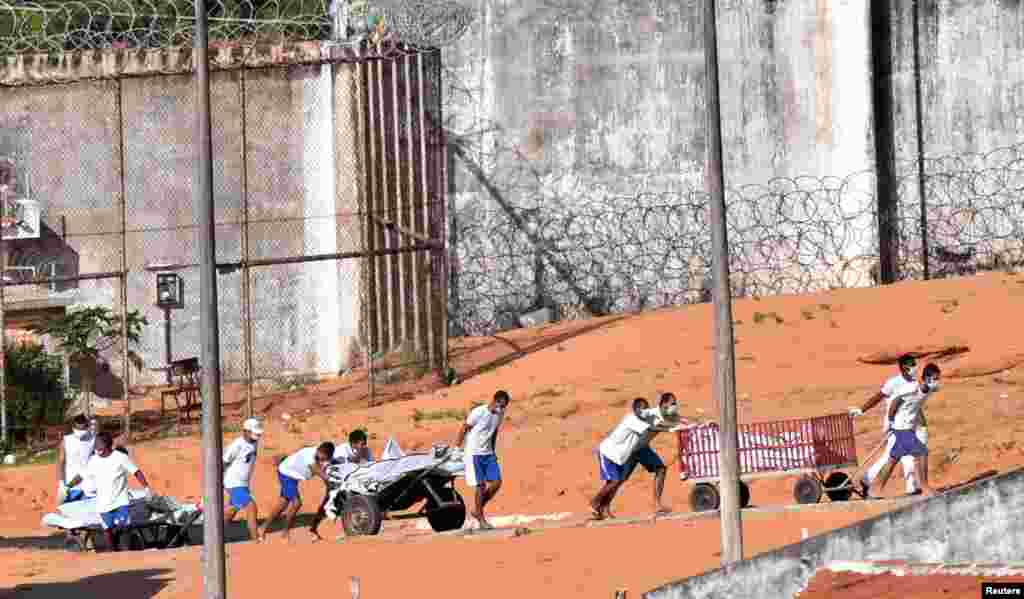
(485,469)
(239,497)
(646,457)
(119,518)
(609,470)
(289,487)
(906,443)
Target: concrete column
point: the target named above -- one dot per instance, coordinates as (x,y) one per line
(349,146)
(320,321)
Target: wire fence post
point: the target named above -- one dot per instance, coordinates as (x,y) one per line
(246,274)
(123,279)
(922,192)
(214,574)
(725,364)
(3,341)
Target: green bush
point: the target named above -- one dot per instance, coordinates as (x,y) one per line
(35,387)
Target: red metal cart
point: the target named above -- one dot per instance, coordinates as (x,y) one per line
(817,449)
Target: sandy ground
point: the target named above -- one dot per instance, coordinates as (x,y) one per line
(797,357)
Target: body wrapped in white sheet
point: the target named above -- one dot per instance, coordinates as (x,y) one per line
(371,478)
(758,452)
(153,510)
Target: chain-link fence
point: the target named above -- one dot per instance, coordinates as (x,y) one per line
(330,212)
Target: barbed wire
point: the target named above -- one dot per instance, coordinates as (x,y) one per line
(802,235)
(388,25)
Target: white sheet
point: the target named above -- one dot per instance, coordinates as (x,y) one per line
(758,452)
(371,478)
(83,514)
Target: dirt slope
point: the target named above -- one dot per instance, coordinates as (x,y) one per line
(797,357)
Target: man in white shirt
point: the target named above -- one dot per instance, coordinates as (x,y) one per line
(73,456)
(239,459)
(480,434)
(302,465)
(897,386)
(904,415)
(664,418)
(355,451)
(110,470)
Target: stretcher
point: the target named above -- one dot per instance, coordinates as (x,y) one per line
(362,496)
(157,522)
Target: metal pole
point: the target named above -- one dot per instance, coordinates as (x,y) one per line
(3,330)
(125,372)
(246,282)
(167,344)
(725,358)
(922,194)
(214,574)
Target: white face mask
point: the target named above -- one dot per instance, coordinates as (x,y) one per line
(80,434)
(672,409)
(931,384)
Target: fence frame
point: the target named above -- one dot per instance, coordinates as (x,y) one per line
(418,243)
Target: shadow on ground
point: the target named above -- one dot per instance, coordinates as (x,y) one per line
(137,584)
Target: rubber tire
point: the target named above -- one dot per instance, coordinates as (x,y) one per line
(704,497)
(450,518)
(74,545)
(370,519)
(744,495)
(838,479)
(807,490)
(131,540)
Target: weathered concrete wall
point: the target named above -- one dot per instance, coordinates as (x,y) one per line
(974,524)
(274,152)
(972,75)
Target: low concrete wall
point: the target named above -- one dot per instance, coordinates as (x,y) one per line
(977,523)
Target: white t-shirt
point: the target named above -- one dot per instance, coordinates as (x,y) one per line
(620,444)
(110,475)
(76,456)
(344,454)
(908,415)
(896,386)
(483,424)
(240,457)
(300,464)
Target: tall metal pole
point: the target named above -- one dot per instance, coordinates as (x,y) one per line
(922,194)
(725,357)
(214,574)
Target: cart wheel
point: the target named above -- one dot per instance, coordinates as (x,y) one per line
(130,540)
(837,486)
(362,515)
(744,495)
(74,544)
(704,497)
(451,518)
(807,490)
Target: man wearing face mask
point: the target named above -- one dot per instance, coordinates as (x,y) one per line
(110,470)
(480,434)
(900,385)
(72,457)
(904,414)
(664,418)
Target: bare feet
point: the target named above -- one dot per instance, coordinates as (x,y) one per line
(484,524)
(316,536)
(661,510)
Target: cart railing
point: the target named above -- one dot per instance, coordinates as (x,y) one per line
(785,445)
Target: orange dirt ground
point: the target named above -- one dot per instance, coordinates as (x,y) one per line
(570,383)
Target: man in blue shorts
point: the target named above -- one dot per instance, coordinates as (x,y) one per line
(614,454)
(109,470)
(302,465)
(239,459)
(480,434)
(904,416)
